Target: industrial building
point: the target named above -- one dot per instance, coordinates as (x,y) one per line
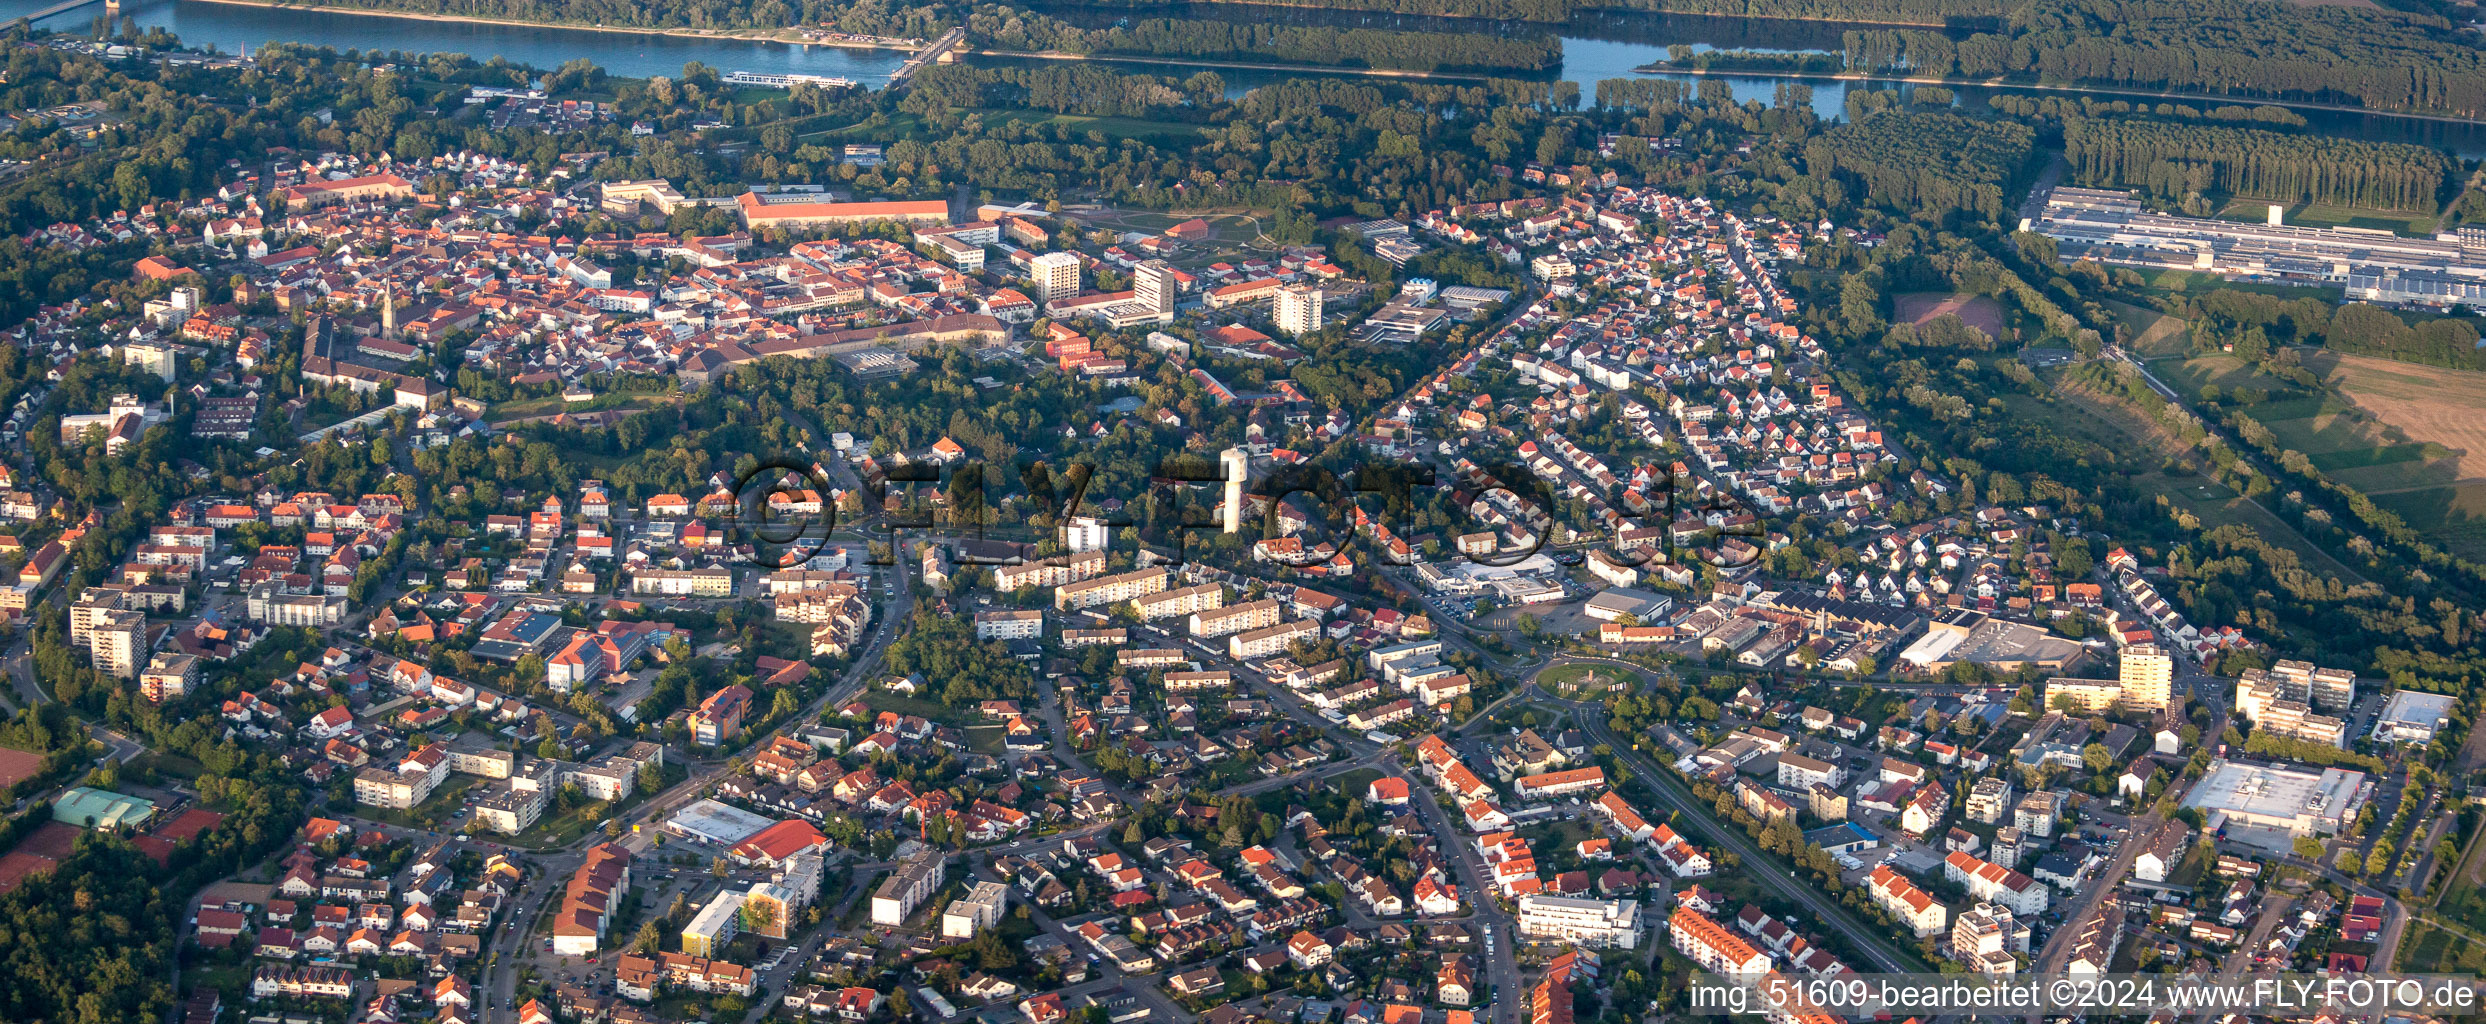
(2114,227)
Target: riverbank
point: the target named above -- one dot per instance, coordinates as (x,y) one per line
(1238,65)
(1861,78)
(713,35)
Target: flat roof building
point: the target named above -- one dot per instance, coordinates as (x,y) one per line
(2413,716)
(2298,802)
(907,888)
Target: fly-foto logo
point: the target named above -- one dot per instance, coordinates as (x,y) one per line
(784,513)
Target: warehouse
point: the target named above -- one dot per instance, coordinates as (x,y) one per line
(2299,803)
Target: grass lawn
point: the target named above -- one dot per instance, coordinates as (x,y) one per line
(883,700)
(2452,516)
(2177,282)
(180,766)
(2405,222)
(231,979)
(986,739)
(2378,455)
(2228,372)
(2112,423)
(1588,677)
(506,411)
(1353,784)
(1356,781)
(2431,950)
(2148,333)
(1230,772)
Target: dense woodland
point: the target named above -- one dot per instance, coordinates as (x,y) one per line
(1927,160)
(2386,59)
(1895,12)
(2177,160)
(1276,43)
(2248,48)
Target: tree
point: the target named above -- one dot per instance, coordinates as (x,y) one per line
(2097,757)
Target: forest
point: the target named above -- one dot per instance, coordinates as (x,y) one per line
(2253,326)
(1926,161)
(1267,42)
(1891,12)
(2176,160)
(2383,59)
(2373,57)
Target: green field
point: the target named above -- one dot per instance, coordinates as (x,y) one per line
(2149,333)
(2120,433)
(883,700)
(2405,222)
(2176,282)
(2431,950)
(506,411)
(2452,516)
(2358,440)
(1353,784)
(1591,677)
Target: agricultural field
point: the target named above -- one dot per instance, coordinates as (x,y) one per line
(2150,334)
(2407,435)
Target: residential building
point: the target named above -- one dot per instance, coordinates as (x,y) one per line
(979,909)
(1710,946)
(907,888)
(1586,922)
(1299,309)
(1056,275)
(1912,906)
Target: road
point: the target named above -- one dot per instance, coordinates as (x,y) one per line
(1502,970)
(21,664)
(2059,945)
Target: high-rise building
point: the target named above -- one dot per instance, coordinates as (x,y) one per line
(1299,309)
(1153,288)
(2148,677)
(120,641)
(1057,276)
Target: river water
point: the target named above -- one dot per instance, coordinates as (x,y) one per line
(1594,47)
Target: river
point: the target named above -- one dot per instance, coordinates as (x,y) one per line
(1594,47)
